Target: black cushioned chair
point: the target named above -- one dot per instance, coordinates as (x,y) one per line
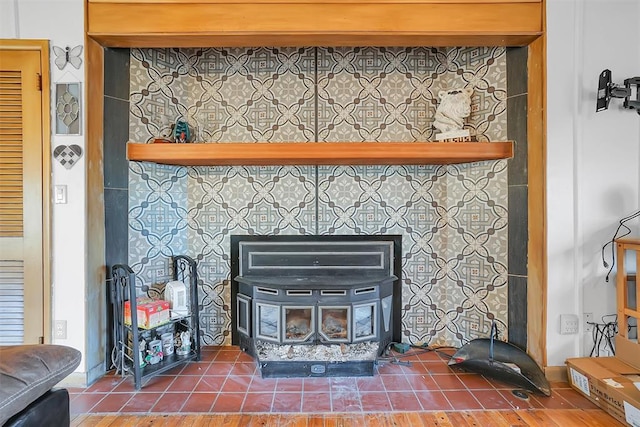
(28,374)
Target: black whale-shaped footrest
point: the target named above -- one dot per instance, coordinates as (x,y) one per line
(501,361)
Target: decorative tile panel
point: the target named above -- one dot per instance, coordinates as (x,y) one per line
(226,95)
(157,219)
(453,219)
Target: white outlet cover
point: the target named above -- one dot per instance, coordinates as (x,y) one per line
(569,324)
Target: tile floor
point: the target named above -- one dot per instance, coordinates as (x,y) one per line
(227,380)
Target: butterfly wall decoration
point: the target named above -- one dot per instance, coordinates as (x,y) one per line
(68,55)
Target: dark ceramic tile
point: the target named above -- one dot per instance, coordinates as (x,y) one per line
(84,402)
(129,387)
(516,401)
(116,226)
(158,383)
(517,77)
(195,368)
(170,402)
(436,368)
(404,401)
(113,402)
(210,384)
(258,402)
(104,384)
(141,402)
(317,385)
(259,385)
(492,399)
(370,383)
(340,384)
(243,369)
(416,368)
(389,369)
(220,368)
(518,311)
(316,402)
(227,356)
(375,401)
(244,357)
(289,384)
(228,402)
(116,73)
(448,382)
(422,382)
(236,384)
(429,356)
(518,230)
(199,402)
(517,132)
(475,381)
(346,401)
(286,402)
(116,135)
(396,383)
(208,356)
(183,384)
(433,401)
(462,400)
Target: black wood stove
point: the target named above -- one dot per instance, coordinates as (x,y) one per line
(315,305)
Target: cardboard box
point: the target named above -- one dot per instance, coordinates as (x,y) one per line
(610,383)
(628,350)
(151,313)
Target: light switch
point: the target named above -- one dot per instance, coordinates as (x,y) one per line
(60,194)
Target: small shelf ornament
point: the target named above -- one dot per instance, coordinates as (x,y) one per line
(454,107)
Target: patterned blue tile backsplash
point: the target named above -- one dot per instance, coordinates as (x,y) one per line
(453,219)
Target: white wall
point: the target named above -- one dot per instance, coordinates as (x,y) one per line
(593,177)
(62,23)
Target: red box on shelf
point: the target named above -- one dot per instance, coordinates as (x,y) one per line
(151,313)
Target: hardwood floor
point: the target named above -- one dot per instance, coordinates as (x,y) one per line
(520,418)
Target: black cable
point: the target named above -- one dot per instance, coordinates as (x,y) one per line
(621,224)
(604,332)
(420,349)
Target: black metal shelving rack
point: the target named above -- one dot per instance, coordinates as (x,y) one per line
(124,289)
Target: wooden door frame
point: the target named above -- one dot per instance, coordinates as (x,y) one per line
(536,130)
(42,46)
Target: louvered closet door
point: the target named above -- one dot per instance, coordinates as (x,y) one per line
(21,269)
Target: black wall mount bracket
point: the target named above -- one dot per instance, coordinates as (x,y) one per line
(608,90)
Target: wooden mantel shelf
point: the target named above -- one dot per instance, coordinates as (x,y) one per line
(319,153)
(226,23)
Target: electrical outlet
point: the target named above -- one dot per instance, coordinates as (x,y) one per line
(604,351)
(588,322)
(60,329)
(569,324)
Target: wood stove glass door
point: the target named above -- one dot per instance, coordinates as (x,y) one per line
(364,321)
(268,321)
(243,315)
(334,323)
(298,322)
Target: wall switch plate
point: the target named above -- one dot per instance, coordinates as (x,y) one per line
(588,322)
(569,324)
(60,329)
(60,194)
